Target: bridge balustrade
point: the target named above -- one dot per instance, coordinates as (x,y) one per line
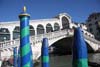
(35,39)
(5,44)
(50,35)
(92,39)
(38,38)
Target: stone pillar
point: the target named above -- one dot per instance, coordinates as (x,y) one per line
(35,31)
(11,33)
(44,30)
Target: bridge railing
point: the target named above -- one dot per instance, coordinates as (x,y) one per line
(92,39)
(51,35)
(38,38)
(6,44)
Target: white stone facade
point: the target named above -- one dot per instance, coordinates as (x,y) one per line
(54,29)
(40,26)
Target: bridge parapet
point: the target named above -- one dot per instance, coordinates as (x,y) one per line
(5,44)
(92,39)
(34,40)
(37,39)
(51,35)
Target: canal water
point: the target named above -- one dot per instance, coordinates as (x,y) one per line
(66,60)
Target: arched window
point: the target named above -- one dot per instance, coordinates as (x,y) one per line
(49,28)
(65,23)
(40,29)
(16,32)
(56,27)
(32,31)
(4,34)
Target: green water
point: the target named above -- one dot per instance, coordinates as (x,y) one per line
(66,60)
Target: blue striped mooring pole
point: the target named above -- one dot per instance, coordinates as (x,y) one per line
(79,50)
(25,51)
(19,59)
(15,56)
(45,53)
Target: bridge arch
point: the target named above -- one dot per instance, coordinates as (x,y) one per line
(16,31)
(49,28)
(56,27)
(65,23)
(40,29)
(4,34)
(63,45)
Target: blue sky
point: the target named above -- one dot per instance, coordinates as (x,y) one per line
(38,9)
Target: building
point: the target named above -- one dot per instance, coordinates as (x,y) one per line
(93,24)
(54,29)
(10,30)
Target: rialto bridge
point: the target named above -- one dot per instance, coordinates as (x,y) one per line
(59,27)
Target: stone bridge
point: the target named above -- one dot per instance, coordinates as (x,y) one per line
(36,42)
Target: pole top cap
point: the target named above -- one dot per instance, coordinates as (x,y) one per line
(24,9)
(24,12)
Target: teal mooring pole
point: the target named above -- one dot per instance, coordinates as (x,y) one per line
(45,53)
(79,50)
(25,51)
(15,56)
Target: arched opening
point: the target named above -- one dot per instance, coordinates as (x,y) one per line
(32,31)
(62,46)
(56,27)
(49,28)
(65,23)
(40,29)
(4,34)
(16,32)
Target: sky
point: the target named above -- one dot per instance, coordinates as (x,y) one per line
(79,10)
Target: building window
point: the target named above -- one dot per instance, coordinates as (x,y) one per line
(91,30)
(95,18)
(97,33)
(90,25)
(96,23)
(97,28)
(89,20)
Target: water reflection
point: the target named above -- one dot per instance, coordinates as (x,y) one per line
(95,57)
(66,60)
